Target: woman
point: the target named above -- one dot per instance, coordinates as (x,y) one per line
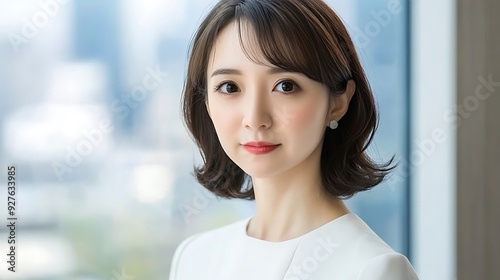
(281,109)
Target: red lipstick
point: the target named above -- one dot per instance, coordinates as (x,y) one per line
(259,148)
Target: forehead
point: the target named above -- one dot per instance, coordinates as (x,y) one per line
(230,46)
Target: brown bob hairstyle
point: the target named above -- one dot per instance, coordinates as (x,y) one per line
(304,36)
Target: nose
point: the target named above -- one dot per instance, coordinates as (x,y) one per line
(257,111)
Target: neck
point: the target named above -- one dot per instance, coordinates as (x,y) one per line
(291,205)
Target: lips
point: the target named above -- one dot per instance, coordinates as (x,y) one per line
(259,148)
(260,144)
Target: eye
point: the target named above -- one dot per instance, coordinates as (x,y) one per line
(226,88)
(286,86)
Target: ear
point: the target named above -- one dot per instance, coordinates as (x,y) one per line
(339,103)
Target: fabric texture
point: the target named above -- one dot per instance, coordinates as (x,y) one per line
(342,249)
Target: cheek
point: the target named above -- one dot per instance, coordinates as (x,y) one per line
(224,120)
(309,118)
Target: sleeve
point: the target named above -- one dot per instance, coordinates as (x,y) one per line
(174,267)
(390,266)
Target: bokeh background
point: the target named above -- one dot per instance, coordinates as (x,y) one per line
(90,116)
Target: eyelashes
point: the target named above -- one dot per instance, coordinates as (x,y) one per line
(287,87)
(219,86)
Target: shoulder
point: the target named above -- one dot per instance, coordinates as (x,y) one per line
(194,247)
(213,237)
(376,259)
(348,236)
(389,266)
(348,248)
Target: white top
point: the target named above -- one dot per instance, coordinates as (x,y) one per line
(342,249)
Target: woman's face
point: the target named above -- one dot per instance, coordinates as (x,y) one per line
(252,102)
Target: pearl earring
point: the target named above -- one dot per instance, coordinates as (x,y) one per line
(334,124)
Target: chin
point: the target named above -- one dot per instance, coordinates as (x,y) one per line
(259,170)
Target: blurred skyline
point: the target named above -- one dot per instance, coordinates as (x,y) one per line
(90,116)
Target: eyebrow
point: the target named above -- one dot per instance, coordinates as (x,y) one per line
(228,71)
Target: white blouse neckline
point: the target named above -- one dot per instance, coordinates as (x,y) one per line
(292,240)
